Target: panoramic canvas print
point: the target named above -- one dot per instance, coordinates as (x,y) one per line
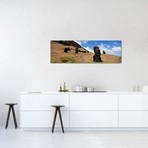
(86,51)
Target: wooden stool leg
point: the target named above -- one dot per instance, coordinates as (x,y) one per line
(61,120)
(54,120)
(13,112)
(7,121)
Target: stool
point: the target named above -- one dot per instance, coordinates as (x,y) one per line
(11,107)
(57,109)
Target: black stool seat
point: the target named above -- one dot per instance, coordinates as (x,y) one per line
(57,109)
(10,103)
(11,107)
(57,105)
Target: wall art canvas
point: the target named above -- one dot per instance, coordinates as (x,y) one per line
(86,51)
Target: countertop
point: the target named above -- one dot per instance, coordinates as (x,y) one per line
(65,93)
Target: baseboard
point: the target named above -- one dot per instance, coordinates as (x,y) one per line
(86,129)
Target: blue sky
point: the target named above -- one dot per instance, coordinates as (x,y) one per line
(113,47)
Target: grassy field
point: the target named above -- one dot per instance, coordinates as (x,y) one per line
(58,55)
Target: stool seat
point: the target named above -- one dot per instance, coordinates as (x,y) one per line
(11,107)
(10,103)
(57,109)
(57,105)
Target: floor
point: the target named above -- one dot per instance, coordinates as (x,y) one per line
(12,138)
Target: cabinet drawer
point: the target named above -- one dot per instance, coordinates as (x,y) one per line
(94,102)
(133,102)
(93,119)
(42,119)
(133,119)
(44,102)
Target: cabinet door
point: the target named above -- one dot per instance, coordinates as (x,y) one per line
(93,102)
(36,119)
(133,119)
(44,102)
(93,119)
(133,102)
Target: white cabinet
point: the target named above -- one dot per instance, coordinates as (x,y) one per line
(133,102)
(94,110)
(133,118)
(133,110)
(40,119)
(36,110)
(85,110)
(93,102)
(44,102)
(93,119)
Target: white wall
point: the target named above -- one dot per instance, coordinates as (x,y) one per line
(27,26)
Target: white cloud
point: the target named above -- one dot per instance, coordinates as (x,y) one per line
(103,48)
(88,49)
(81,41)
(78,42)
(101,44)
(84,41)
(115,48)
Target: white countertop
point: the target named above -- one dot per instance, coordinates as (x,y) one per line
(65,93)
